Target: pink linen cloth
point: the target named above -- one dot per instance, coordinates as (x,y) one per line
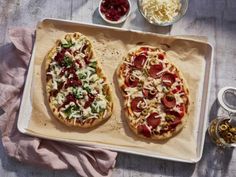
(87,161)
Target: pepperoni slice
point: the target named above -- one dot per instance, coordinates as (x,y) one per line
(131,81)
(153,120)
(161,56)
(169,101)
(149,94)
(181,109)
(154,70)
(178,114)
(168,79)
(177,89)
(175,123)
(136,104)
(139,61)
(144,130)
(144,49)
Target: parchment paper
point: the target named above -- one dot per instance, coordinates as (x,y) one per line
(110,46)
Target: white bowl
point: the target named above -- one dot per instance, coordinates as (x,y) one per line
(121,20)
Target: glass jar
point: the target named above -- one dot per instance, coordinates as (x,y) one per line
(222,130)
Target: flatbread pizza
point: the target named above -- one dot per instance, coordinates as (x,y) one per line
(156,97)
(77,90)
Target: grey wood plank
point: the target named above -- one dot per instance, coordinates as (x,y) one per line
(4,6)
(28,12)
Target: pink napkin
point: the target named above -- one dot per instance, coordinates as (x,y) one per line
(87,161)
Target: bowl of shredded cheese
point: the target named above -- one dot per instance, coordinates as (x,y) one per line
(163,12)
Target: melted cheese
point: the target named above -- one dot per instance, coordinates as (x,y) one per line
(92,83)
(131,90)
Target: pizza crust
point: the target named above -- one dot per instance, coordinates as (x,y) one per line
(87,123)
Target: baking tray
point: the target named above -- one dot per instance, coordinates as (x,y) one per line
(26,103)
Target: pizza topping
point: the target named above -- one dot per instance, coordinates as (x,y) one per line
(177,89)
(175,123)
(154,70)
(178,111)
(89,102)
(168,79)
(138,104)
(145,112)
(144,130)
(75,87)
(169,101)
(99,104)
(85,46)
(153,120)
(144,49)
(71,111)
(131,81)
(86,60)
(73,82)
(69,98)
(53,93)
(139,61)
(66,43)
(150,94)
(170,117)
(60,57)
(161,56)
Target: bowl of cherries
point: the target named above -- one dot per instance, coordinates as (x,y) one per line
(114,11)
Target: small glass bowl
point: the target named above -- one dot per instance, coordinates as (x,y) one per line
(183,9)
(121,20)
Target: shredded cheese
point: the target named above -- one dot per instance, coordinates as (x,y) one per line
(161,11)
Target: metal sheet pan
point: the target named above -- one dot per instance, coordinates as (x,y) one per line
(26,104)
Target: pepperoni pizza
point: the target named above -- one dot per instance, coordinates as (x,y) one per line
(155,93)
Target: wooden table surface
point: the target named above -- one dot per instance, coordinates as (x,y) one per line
(215,19)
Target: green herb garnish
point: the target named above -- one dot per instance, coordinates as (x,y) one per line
(93,64)
(87,88)
(169,117)
(68,111)
(68,61)
(68,45)
(77,93)
(82,75)
(94,110)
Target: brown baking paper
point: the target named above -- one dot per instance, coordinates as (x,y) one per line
(110,46)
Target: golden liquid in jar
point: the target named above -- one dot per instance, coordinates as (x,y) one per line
(222,133)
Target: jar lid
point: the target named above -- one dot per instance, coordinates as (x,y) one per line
(227,99)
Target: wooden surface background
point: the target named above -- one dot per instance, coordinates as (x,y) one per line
(215,19)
